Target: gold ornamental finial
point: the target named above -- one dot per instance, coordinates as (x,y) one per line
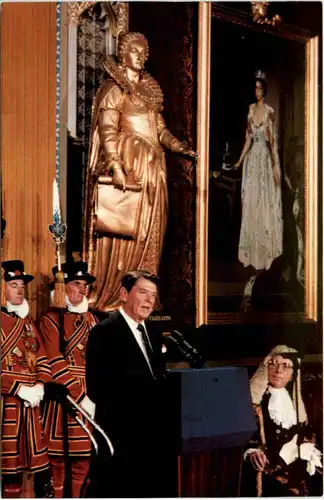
(260,14)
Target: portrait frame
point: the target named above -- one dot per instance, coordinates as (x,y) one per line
(208,11)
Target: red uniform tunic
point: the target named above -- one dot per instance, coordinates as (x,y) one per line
(69,371)
(23,362)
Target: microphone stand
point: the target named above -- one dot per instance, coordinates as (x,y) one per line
(193,354)
(190,353)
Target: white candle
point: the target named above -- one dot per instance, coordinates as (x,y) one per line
(56,201)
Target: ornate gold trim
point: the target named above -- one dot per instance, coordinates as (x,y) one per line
(76,9)
(311,180)
(260,14)
(122,19)
(311,169)
(117,13)
(203,84)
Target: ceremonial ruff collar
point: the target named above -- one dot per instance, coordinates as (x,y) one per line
(20,310)
(79,309)
(146,89)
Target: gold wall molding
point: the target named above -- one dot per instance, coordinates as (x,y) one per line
(203,118)
(311,180)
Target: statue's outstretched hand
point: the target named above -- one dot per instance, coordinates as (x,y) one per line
(184,149)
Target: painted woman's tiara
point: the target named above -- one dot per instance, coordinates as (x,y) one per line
(260,74)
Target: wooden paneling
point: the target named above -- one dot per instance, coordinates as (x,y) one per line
(28,94)
(211,474)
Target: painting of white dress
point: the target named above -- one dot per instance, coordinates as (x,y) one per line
(261,233)
(256,172)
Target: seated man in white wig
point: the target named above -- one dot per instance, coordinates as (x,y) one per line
(282,456)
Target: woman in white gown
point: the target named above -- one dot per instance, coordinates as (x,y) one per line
(262,225)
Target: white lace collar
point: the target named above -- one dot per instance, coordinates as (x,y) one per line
(21,310)
(281,408)
(79,309)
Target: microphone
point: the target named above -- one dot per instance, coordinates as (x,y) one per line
(188,351)
(172,340)
(182,340)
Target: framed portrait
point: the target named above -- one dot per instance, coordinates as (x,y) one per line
(258,170)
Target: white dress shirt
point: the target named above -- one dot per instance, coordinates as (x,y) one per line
(137,334)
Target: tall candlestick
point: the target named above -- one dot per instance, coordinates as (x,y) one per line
(57,229)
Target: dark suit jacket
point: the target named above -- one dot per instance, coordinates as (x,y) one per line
(130,404)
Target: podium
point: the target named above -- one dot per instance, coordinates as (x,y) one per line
(209,413)
(211,408)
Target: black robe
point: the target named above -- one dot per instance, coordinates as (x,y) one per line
(278,479)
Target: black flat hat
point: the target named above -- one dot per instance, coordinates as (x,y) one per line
(14,270)
(75,270)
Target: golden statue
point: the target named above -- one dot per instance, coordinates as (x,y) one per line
(126,220)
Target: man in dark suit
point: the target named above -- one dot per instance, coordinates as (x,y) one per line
(125,377)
